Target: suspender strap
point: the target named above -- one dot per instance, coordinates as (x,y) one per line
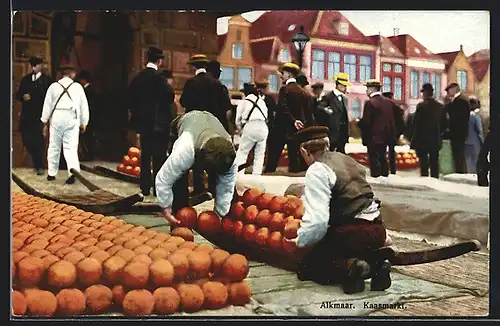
(65,91)
(253,107)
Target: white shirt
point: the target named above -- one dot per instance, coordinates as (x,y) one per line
(179,162)
(456,95)
(78,101)
(152,65)
(36,76)
(199,71)
(374,94)
(319,182)
(290,80)
(244,107)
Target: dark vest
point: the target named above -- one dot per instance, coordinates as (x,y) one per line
(351,193)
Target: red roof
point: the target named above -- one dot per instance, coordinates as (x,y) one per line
(327,29)
(449,57)
(411,48)
(262,50)
(480,68)
(387,49)
(221,39)
(279,22)
(480,55)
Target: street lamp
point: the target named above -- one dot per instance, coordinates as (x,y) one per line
(300,41)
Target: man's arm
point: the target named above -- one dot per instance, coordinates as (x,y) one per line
(84,108)
(21,90)
(317,196)
(187,94)
(48,105)
(225,105)
(180,160)
(225,190)
(283,106)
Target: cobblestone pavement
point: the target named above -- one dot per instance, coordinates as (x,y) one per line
(455,287)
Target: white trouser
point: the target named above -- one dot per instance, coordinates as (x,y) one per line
(254,133)
(64,132)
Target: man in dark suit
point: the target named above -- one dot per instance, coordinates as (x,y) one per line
(292,114)
(88,137)
(400,126)
(429,124)
(458,111)
(378,129)
(214,71)
(31,94)
(332,113)
(268,99)
(150,103)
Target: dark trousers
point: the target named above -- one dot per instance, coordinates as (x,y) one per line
(153,150)
(483,167)
(88,144)
(377,155)
(428,159)
(295,161)
(392,159)
(458,153)
(33,140)
(328,261)
(180,190)
(276,142)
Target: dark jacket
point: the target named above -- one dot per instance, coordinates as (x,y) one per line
(203,92)
(31,111)
(332,113)
(271,109)
(150,101)
(377,124)
(93,100)
(428,126)
(399,121)
(458,112)
(294,103)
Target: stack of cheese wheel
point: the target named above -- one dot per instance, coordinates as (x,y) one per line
(70,262)
(131,162)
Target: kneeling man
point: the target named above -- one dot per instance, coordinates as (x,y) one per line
(202,142)
(342,224)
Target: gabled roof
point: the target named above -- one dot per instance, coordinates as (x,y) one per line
(327,28)
(480,55)
(387,49)
(480,68)
(221,40)
(280,22)
(449,57)
(411,48)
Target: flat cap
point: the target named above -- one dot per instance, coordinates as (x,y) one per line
(373,83)
(427,87)
(451,85)
(155,53)
(35,60)
(310,133)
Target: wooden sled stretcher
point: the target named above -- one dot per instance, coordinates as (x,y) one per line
(98,201)
(290,262)
(110,173)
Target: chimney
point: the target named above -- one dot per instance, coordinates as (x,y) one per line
(461,48)
(396,31)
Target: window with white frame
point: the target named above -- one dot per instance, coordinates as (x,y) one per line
(462,79)
(386,84)
(426,78)
(237,51)
(227,77)
(244,76)
(344,29)
(398,88)
(365,67)
(414,84)
(273,83)
(333,64)
(398,68)
(318,64)
(436,84)
(350,66)
(355,109)
(387,67)
(284,56)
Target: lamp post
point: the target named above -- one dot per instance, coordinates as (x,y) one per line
(300,41)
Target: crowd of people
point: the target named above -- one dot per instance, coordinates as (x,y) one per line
(342,222)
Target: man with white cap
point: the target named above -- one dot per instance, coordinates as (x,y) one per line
(67,111)
(332,113)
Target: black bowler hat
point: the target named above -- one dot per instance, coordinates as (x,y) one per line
(451,86)
(155,54)
(167,73)
(388,94)
(302,80)
(427,87)
(84,74)
(35,60)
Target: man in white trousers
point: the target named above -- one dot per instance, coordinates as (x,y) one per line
(67,111)
(251,122)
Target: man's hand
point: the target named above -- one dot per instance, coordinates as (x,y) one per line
(26,97)
(167,214)
(83,128)
(298,124)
